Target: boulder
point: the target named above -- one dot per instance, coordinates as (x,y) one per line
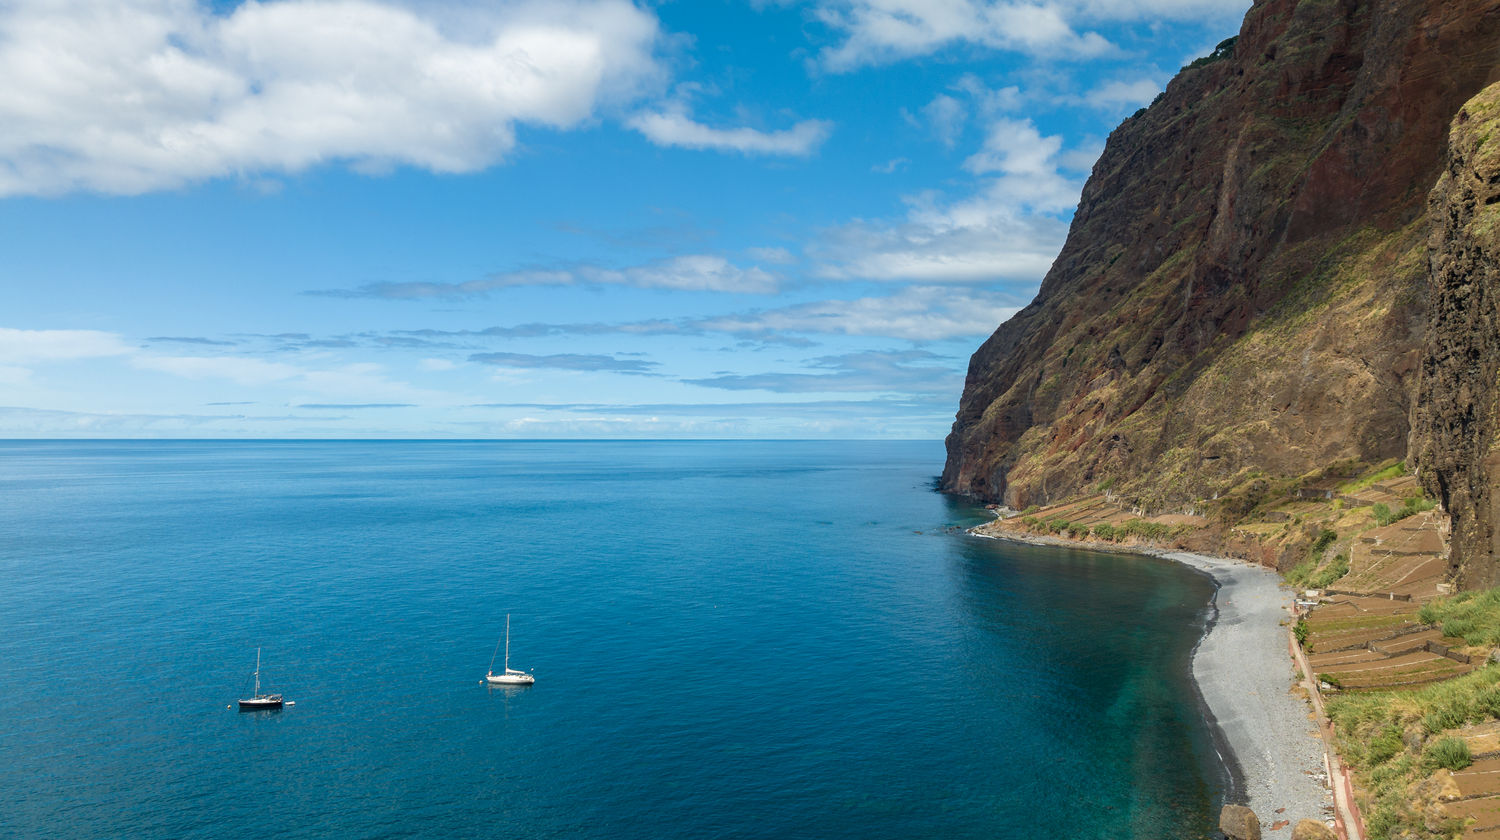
(1239,823)
(1312,830)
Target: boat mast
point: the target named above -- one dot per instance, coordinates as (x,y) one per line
(507,642)
(257,673)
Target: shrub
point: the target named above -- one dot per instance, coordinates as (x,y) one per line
(1325,538)
(1301,631)
(1414,505)
(1142,529)
(1104,531)
(1330,573)
(1460,627)
(1452,753)
(1450,716)
(1224,50)
(1383,747)
(1392,471)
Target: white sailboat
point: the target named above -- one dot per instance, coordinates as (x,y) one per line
(508,676)
(257,700)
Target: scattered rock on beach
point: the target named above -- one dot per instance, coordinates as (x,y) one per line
(1239,823)
(1312,830)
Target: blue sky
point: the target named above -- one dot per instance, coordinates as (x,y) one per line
(575,218)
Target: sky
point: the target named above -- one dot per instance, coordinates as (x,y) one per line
(559,219)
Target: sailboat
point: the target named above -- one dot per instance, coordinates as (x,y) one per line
(509,676)
(257,700)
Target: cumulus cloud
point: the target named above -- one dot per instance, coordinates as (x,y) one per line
(691,272)
(1009,229)
(1121,95)
(881,31)
(945,117)
(129,96)
(672,126)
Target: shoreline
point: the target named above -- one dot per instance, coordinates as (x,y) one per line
(1244,675)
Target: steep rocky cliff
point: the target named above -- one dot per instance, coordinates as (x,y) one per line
(1455,423)
(1244,287)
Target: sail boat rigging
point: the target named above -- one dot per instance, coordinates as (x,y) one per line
(258,701)
(508,676)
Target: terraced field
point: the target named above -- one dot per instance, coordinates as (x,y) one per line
(1364,643)
(1474,792)
(1403,559)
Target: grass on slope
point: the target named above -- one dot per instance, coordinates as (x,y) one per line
(1475,616)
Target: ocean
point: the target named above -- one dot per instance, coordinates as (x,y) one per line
(730,640)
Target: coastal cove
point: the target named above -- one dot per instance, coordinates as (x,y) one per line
(736,639)
(1264,742)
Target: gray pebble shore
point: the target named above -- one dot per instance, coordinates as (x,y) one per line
(1244,670)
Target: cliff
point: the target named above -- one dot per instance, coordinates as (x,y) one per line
(1244,289)
(1455,423)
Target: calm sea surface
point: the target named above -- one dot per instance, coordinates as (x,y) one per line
(742,639)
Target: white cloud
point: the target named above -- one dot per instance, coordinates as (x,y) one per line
(23,347)
(1157,9)
(989,101)
(353,382)
(697,272)
(1119,95)
(1026,165)
(238,369)
(916,313)
(1010,228)
(881,31)
(1081,158)
(773,255)
(689,272)
(945,118)
(671,126)
(128,96)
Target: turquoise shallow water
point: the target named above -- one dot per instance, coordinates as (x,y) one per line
(731,639)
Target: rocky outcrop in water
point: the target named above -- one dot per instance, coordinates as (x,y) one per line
(1244,287)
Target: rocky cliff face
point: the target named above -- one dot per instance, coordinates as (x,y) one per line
(1455,423)
(1243,289)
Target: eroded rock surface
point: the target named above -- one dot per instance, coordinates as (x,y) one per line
(1455,422)
(1244,286)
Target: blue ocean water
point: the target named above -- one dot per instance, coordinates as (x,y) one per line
(731,639)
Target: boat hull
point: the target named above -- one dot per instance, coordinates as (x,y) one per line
(256,704)
(509,679)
